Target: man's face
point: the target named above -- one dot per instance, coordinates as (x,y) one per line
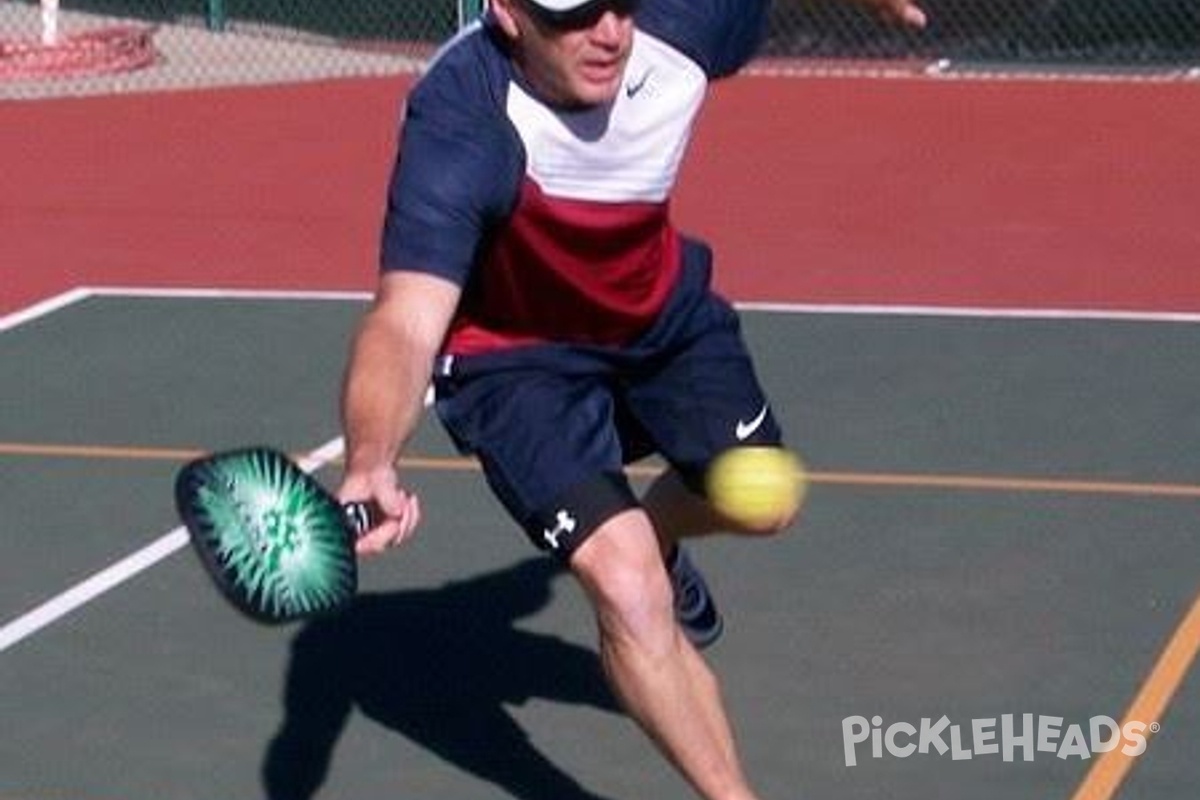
(572,59)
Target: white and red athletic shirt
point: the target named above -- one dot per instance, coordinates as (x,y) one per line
(555,221)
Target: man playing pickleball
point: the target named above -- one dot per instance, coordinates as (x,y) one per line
(530,264)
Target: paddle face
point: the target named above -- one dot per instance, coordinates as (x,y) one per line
(275,542)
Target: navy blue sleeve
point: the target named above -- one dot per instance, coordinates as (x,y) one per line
(719,35)
(458,171)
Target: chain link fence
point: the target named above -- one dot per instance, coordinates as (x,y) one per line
(1112,34)
(114,45)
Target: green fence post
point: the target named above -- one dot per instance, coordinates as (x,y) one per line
(468,10)
(216,15)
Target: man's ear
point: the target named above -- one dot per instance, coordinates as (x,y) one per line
(502,11)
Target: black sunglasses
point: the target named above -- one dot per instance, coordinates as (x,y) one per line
(584,16)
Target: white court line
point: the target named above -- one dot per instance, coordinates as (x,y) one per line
(849,309)
(121,571)
(87,590)
(208,293)
(865,309)
(42,308)
(979,312)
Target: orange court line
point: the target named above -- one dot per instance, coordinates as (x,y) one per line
(1108,772)
(118,453)
(1007,483)
(895,480)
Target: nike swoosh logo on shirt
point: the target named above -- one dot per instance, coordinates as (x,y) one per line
(633,88)
(745,430)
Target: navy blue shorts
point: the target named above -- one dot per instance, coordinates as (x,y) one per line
(553,425)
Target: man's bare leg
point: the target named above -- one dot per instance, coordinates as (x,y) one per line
(662,681)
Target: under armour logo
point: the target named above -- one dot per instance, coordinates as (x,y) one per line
(564,524)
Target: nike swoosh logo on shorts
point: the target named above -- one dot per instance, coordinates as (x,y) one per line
(745,430)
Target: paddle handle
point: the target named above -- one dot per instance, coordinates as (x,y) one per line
(361,516)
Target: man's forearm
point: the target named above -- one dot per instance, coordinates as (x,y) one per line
(383,391)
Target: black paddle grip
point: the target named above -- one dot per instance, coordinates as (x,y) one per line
(362,516)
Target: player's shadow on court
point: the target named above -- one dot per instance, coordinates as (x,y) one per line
(437,666)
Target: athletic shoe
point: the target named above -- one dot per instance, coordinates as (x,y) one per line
(695,609)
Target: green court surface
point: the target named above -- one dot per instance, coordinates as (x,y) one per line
(1002,522)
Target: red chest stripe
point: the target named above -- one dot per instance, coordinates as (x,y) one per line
(569,270)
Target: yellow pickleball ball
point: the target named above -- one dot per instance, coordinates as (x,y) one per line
(757,486)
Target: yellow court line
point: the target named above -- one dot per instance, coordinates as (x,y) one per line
(1107,773)
(896,480)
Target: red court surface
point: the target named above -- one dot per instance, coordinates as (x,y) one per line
(1071,194)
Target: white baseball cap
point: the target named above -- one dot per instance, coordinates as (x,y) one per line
(571,7)
(577,12)
(559,6)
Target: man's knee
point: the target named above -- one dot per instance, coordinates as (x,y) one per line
(621,568)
